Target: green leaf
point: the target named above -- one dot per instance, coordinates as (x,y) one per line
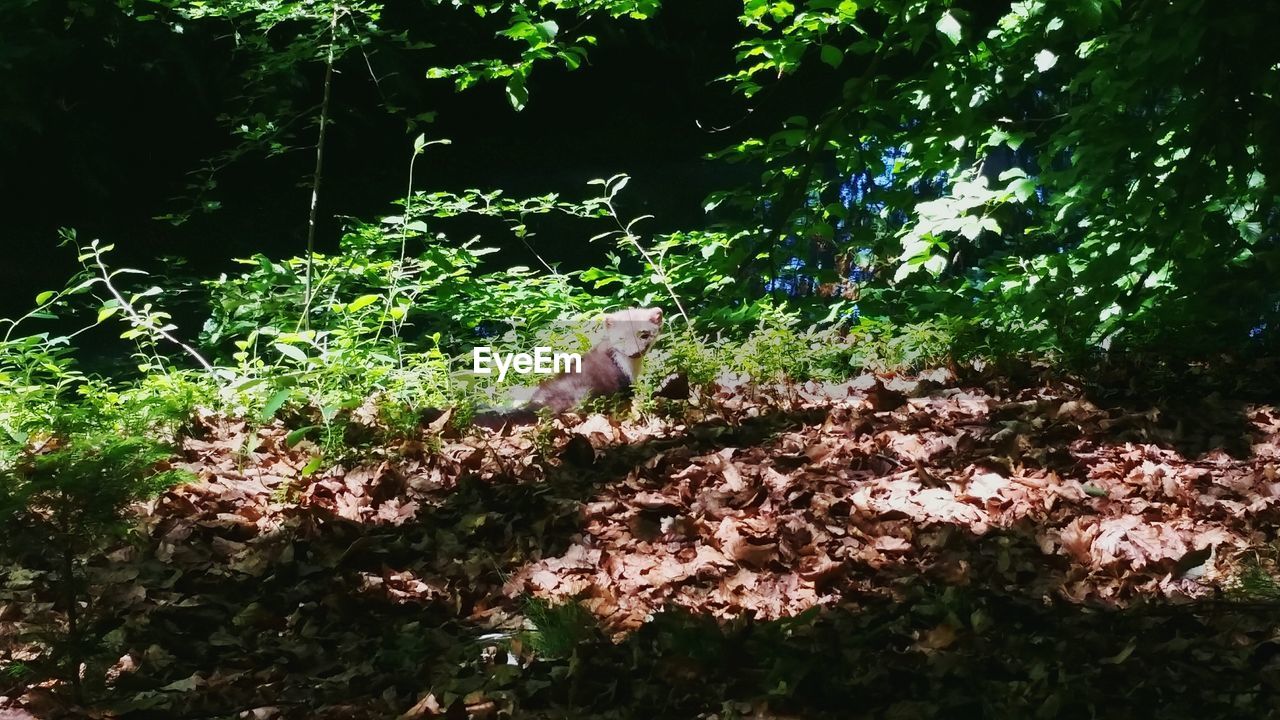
(831,55)
(949,27)
(290,351)
(107,311)
(904,270)
(314,464)
(548,29)
(781,9)
(1045,60)
(296,436)
(1023,188)
(43,297)
(517,94)
(362,302)
(276,402)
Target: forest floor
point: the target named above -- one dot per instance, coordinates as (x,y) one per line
(888,547)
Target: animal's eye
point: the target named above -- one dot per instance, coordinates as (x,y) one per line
(645,334)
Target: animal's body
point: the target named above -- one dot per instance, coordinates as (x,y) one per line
(608,369)
(612,365)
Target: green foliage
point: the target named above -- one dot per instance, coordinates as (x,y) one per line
(48,395)
(68,471)
(277,44)
(1135,210)
(1035,177)
(392,314)
(75,448)
(881,345)
(79,483)
(281,44)
(1062,176)
(558,630)
(775,351)
(700,362)
(1257,577)
(780,348)
(397,279)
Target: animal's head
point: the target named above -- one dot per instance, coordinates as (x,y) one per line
(632,331)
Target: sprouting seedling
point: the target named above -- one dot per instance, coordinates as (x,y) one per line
(612,187)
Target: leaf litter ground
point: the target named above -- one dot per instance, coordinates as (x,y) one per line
(885,547)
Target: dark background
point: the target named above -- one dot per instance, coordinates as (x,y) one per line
(102,118)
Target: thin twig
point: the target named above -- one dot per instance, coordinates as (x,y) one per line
(657,267)
(315,180)
(146,323)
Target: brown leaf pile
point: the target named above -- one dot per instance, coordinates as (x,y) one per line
(259,586)
(839,505)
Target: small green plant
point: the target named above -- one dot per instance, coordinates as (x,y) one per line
(1256,580)
(543,437)
(558,630)
(65,491)
(774,350)
(699,361)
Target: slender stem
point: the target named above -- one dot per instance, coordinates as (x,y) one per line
(315,178)
(657,266)
(142,321)
(53,300)
(393,273)
(73,612)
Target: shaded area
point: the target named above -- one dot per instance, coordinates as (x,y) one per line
(935,650)
(106,116)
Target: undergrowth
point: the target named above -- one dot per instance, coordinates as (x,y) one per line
(355,350)
(369,368)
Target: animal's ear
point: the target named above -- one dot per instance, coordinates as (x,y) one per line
(655,317)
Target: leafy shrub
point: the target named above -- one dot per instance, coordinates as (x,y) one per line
(78,484)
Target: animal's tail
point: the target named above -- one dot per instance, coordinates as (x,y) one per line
(495,419)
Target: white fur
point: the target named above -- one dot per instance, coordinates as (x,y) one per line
(630,366)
